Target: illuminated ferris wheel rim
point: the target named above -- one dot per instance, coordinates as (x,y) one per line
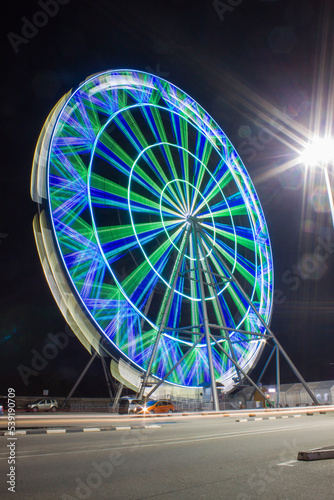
(125,82)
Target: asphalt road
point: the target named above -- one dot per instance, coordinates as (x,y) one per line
(209,457)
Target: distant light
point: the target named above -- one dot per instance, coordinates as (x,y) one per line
(271,390)
(319,151)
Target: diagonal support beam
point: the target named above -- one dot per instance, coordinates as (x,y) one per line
(206,321)
(280,347)
(165,313)
(174,367)
(242,371)
(263,371)
(214,289)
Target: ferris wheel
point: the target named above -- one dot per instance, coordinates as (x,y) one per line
(154,229)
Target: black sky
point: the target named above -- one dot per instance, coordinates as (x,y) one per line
(271,47)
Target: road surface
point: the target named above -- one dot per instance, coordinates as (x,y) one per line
(208,457)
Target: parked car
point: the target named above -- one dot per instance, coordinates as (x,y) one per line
(128,405)
(42,405)
(160,406)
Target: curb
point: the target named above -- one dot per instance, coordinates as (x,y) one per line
(267,418)
(83,429)
(319,454)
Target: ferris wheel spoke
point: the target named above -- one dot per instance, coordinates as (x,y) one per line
(203,152)
(113,154)
(155,261)
(244,236)
(241,265)
(139,177)
(220,175)
(156,123)
(207,197)
(222,236)
(106,193)
(181,133)
(213,197)
(127,123)
(146,180)
(115,241)
(174,277)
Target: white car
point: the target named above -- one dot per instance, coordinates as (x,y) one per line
(128,405)
(43,405)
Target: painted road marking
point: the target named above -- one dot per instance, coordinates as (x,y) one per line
(290,463)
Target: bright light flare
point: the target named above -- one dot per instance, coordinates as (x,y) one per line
(318,152)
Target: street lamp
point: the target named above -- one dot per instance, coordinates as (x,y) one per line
(320,152)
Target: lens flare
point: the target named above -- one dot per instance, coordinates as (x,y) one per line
(318,152)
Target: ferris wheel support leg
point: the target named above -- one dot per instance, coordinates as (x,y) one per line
(278,345)
(206,324)
(81,376)
(105,371)
(263,371)
(118,396)
(164,317)
(257,388)
(226,336)
(278,378)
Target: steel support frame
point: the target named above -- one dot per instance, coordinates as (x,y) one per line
(238,367)
(270,332)
(263,371)
(163,319)
(206,321)
(278,378)
(213,286)
(269,335)
(175,366)
(81,376)
(105,371)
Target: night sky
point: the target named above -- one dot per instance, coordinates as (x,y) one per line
(261,68)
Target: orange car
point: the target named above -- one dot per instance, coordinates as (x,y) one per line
(159,406)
